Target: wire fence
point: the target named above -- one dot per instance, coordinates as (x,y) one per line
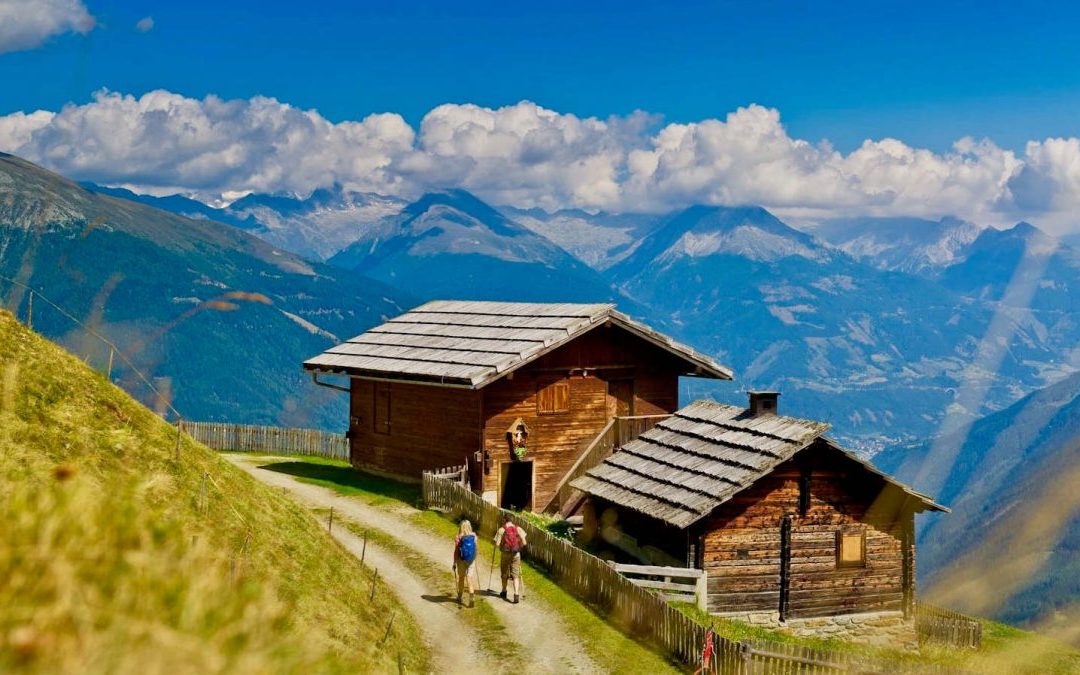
(114,351)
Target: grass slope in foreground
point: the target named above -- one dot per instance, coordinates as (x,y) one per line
(116,558)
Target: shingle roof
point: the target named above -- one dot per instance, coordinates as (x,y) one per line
(473,343)
(687,465)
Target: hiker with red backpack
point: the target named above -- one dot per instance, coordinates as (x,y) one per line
(464,557)
(510,539)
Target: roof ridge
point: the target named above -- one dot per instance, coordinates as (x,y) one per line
(717,404)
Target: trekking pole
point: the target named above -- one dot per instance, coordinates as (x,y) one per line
(491,569)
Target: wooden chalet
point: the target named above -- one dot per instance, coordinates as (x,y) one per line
(781,518)
(517,391)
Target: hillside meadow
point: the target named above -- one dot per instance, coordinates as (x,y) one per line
(118,558)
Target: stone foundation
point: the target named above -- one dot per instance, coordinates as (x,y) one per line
(881,629)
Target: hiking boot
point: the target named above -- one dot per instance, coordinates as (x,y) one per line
(503,595)
(515,599)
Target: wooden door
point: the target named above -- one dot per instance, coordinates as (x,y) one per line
(620,398)
(516,479)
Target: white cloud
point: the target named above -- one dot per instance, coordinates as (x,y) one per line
(145,24)
(209,146)
(25,24)
(527,155)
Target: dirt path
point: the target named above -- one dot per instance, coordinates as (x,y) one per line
(453,647)
(548,645)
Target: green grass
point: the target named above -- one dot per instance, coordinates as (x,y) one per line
(116,559)
(554,525)
(344,479)
(607,645)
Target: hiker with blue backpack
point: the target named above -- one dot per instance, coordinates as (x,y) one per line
(510,539)
(464,557)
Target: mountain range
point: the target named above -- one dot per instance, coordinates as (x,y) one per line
(218,317)
(450,244)
(879,325)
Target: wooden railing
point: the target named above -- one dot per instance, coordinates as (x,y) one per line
(597,451)
(944,625)
(619,431)
(633,426)
(271,440)
(679,584)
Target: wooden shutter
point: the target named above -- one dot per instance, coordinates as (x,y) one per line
(850,549)
(553,399)
(382,408)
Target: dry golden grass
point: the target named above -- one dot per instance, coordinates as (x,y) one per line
(115,558)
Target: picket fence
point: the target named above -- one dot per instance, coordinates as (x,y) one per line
(271,440)
(645,614)
(944,625)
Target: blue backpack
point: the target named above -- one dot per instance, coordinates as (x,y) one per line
(467,548)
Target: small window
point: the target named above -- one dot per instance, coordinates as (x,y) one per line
(851,549)
(554,399)
(381,418)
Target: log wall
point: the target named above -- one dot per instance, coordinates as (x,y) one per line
(741,542)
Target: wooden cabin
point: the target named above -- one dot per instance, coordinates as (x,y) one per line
(516,391)
(782,519)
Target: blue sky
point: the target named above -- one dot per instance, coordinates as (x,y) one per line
(928,73)
(813,110)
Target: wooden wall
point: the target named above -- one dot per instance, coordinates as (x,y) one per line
(429,427)
(554,440)
(605,354)
(432,427)
(843,496)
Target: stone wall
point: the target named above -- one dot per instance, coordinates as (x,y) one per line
(884,629)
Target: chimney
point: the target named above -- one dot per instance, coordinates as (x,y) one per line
(763,403)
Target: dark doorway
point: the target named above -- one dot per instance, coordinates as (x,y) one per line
(517,486)
(620,398)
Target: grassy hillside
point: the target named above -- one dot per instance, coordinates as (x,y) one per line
(115,557)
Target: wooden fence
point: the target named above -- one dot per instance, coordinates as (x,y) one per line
(271,440)
(681,584)
(636,610)
(645,614)
(944,625)
(458,474)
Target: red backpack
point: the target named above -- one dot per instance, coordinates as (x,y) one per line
(511,540)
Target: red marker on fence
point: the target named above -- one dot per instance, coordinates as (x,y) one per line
(706,653)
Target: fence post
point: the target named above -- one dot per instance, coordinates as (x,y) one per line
(30,311)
